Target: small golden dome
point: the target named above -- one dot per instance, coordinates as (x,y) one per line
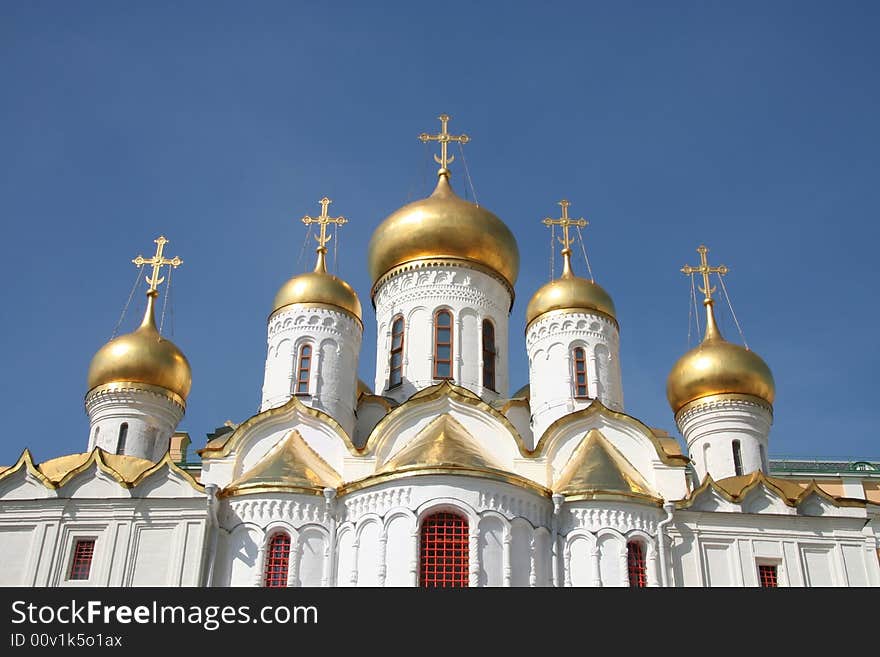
(443,227)
(319,287)
(142,356)
(717,366)
(569,292)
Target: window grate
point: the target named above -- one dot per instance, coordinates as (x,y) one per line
(81,565)
(277,561)
(579,357)
(767,575)
(635,559)
(444,551)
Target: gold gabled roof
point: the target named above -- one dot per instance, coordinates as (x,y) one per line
(291,466)
(596,470)
(444,443)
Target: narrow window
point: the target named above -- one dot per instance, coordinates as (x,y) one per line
(81,564)
(635,559)
(97,431)
(444,551)
(737,459)
(396,376)
(488,355)
(767,576)
(579,359)
(443,345)
(277,561)
(123,437)
(305,366)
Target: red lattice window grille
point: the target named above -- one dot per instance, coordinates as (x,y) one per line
(305,365)
(767,575)
(488,355)
(81,564)
(277,561)
(444,551)
(579,358)
(396,376)
(635,559)
(443,345)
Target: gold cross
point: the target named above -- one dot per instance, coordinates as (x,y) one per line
(444,138)
(323,220)
(157,262)
(566,240)
(705,270)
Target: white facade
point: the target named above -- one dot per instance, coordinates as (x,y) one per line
(416,295)
(132,419)
(726,435)
(550,342)
(335,340)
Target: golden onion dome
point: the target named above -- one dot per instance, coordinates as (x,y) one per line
(717,366)
(569,292)
(443,227)
(319,287)
(142,357)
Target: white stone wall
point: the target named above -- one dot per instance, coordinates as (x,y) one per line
(138,542)
(709,429)
(725,549)
(151,418)
(416,295)
(549,342)
(335,338)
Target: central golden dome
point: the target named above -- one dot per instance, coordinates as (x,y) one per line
(715,367)
(142,356)
(319,287)
(443,227)
(569,292)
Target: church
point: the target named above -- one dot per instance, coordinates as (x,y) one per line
(435,474)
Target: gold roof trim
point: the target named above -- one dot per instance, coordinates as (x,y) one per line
(26,461)
(291,466)
(127,471)
(365,397)
(791,492)
(596,467)
(443,389)
(510,403)
(598,408)
(223,445)
(496,475)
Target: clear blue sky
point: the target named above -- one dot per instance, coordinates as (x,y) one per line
(750,126)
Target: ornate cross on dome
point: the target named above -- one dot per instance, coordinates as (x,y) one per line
(323,220)
(157,262)
(566,222)
(705,270)
(444,138)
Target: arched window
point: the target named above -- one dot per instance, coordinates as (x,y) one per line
(443,551)
(395,378)
(123,437)
(443,345)
(635,560)
(303,368)
(737,459)
(277,561)
(579,361)
(488,355)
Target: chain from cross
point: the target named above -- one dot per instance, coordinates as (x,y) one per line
(566,222)
(157,262)
(323,220)
(444,138)
(705,270)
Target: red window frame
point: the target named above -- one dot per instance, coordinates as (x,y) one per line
(442,341)
(303,369)
(443,551)
(635,562)
(395,378)
(81,563)
(277,561)
(489,352)
(768,576)
(579,362)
